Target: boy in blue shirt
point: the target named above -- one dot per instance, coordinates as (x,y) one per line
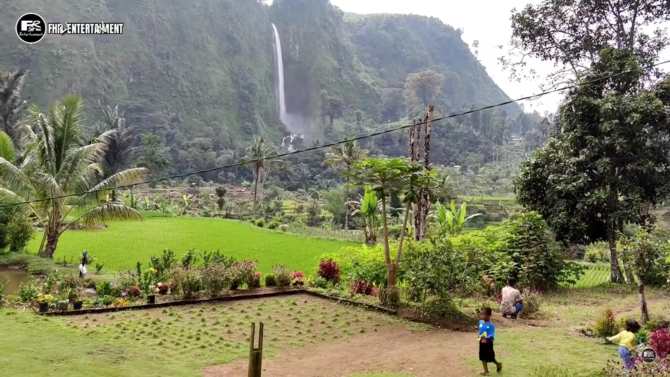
(486,334)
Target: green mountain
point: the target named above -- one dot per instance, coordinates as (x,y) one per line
(201,74)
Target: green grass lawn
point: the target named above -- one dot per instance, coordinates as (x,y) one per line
(124,244)
(539,352)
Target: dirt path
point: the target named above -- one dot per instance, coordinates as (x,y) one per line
(424,354)
(650,302)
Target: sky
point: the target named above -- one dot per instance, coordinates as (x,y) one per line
(487,21)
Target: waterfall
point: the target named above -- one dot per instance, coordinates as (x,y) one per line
(279,89)
(292,122)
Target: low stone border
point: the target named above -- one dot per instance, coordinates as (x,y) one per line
(237,297)
(352,302)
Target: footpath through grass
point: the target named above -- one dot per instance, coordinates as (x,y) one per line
(124,244)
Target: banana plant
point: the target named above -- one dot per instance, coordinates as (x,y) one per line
(369,207)
(451,221)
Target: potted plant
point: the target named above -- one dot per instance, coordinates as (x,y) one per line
(151,294)
(75,298)
(43,301)
(64,300)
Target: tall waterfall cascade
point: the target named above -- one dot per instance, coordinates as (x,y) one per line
(289,121)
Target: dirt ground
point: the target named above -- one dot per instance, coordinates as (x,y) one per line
(436,353)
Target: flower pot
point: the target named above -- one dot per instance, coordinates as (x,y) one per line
(151,299)
(78,305)
(44,307)
(63,305)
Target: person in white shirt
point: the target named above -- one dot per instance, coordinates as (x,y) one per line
(512,302)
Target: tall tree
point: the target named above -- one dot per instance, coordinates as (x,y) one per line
(335,110)
(423,86)
(12,105)
(120,151)
(572,33)
(260,158)
(59,163)
(153,154)
(7,149)
(607,162)
(345,156)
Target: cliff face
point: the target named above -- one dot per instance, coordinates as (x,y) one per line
(204,69)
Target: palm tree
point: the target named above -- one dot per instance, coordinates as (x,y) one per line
(120,150)
(60,173)
(12,106)
(345,156)
(260,158)
(7,150)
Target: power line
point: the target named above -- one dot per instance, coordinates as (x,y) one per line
(330,145)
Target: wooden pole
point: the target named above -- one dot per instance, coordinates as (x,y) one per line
(256,354)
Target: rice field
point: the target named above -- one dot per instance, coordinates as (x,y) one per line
(123,244)
(595,275)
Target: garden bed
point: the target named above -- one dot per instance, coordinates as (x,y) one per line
(167,304)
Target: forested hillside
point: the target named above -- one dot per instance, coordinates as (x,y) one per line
(200,75)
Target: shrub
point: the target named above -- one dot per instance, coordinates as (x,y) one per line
(259,223)
(329,271)
(283,227)
(127,280)
(28,291)
(531,304)
(270,280)
(186,282)
(104,288)
(70,282)
(592,256)
(364,263)
(255,281)
(659,340)
(245,273)
(273,225)
(317,282)
(190,258)
(297,279)
(19,232)
(163,288)
(641,337)
(361,287)
(216,278)
(537,256)
(606,325)
(134,292)
(283,276)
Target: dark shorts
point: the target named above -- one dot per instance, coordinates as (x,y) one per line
(486,352)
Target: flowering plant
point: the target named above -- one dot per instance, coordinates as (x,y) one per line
(162,288)
(42,298)
(297,278)
(120,302)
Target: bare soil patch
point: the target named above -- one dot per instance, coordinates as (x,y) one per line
(435,353)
